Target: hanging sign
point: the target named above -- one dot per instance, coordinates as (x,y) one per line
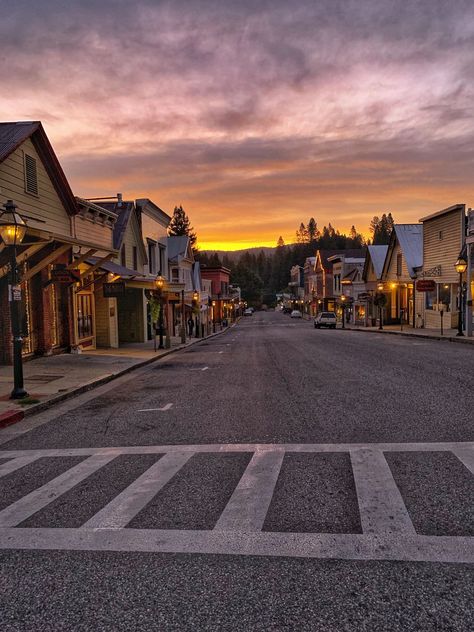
(112,290)
(425,285)
(65,277)
(14,293)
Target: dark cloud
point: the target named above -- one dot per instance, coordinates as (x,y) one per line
(273,105)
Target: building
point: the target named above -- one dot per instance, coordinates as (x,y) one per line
(327,290)
(219,276)
(296,287)
(403,264)
(372,277)
(443,241)
(348,283)
(309,275)
(52,257)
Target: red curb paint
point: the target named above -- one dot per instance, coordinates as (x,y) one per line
(10,417)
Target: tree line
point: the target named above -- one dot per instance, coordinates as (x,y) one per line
(260,275)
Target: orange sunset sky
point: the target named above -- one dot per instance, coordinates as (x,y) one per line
(254,116)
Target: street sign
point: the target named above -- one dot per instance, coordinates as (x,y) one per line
(66,277)
(14,293)
(425,285)
(113,290)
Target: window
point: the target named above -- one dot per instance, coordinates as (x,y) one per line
(135,258)
(123,256)
(444,290)
(31,175)
(399,264)
(175,275)
(151,258)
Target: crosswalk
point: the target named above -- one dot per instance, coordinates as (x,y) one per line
(388,532)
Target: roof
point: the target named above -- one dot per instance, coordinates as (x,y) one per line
(177,246)
(377,255)
(115,268)
(450,209)
(123,210)
(410,238)
(352,274)
(12,135)
(325,254)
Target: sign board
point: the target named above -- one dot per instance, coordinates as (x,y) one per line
(112,290)
(14,293)
(470,222)
(365,296)
(425,285)
(63,276)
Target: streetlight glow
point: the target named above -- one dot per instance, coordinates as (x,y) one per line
(12,225)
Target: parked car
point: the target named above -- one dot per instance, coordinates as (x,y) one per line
(248,312)
(325,319)
(295,314)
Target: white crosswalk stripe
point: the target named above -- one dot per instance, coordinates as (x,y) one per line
(388,532)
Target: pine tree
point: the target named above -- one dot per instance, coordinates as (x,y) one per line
(180,225)
(312,230)
(302,236)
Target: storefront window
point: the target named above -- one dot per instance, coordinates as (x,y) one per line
(430,299)
(84,316)
(445,296)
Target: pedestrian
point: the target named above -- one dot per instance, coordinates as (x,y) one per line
(190,326)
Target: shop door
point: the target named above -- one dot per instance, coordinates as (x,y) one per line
(85,316)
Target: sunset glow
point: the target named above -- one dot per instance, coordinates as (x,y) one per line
(254,116)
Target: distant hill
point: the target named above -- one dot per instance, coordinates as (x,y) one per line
(233,255)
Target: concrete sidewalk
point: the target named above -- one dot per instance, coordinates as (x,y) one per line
(435,334)
(55,378)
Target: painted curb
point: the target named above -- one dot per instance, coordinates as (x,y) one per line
(10,417)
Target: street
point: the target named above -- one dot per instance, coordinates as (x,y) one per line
(274,477)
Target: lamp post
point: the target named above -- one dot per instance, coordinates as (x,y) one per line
(160,284)
(460,267)
(343,306)
(196,306)
(12,231)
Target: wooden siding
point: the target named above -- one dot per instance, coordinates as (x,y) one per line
(95,233)
(132,238)
(443,252)
(392,268)
(47,205)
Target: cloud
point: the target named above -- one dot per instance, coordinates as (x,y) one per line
(251,106)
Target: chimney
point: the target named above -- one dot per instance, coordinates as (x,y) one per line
(119,200)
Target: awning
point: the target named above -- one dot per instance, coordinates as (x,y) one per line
(118,270)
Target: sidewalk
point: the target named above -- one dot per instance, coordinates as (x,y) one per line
(54,378)
(435,334)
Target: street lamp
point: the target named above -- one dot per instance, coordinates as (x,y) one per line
(12,231)
(160,284)
(196,306)
(343,306)
(460,266)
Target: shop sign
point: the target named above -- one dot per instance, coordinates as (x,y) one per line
(364,296)
(14,293)
(113,290)
(66,277)
(425,285)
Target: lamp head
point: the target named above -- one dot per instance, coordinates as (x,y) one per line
(160,282)
(12,225)
(460,265)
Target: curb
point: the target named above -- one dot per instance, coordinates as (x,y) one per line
(460,340)
(10,417)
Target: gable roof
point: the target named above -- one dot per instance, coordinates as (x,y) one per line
(324,255)
(377,255)
(123,211)
(410,238)
(177,246)
(12,135)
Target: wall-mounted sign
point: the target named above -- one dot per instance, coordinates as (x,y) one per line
(63,276)
(425,285)
(112,290)
(14,293)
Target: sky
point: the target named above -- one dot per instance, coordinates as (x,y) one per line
(254,115)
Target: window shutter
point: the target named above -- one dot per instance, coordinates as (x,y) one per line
(31,175)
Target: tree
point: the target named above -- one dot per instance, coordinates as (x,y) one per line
(180,225)
(312,230)
(302,236)
(280,242)
(381,228)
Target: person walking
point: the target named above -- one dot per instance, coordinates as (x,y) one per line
(190,326)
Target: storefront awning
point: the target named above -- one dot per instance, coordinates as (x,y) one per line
(118,270)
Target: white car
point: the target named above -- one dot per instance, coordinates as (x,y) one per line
(248,312)
(295,314)
(325,319)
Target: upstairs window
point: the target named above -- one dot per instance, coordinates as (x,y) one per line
(123,256)
(399,264)
(135,258)
(31,175)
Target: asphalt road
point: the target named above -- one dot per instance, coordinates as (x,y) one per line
(269,380)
